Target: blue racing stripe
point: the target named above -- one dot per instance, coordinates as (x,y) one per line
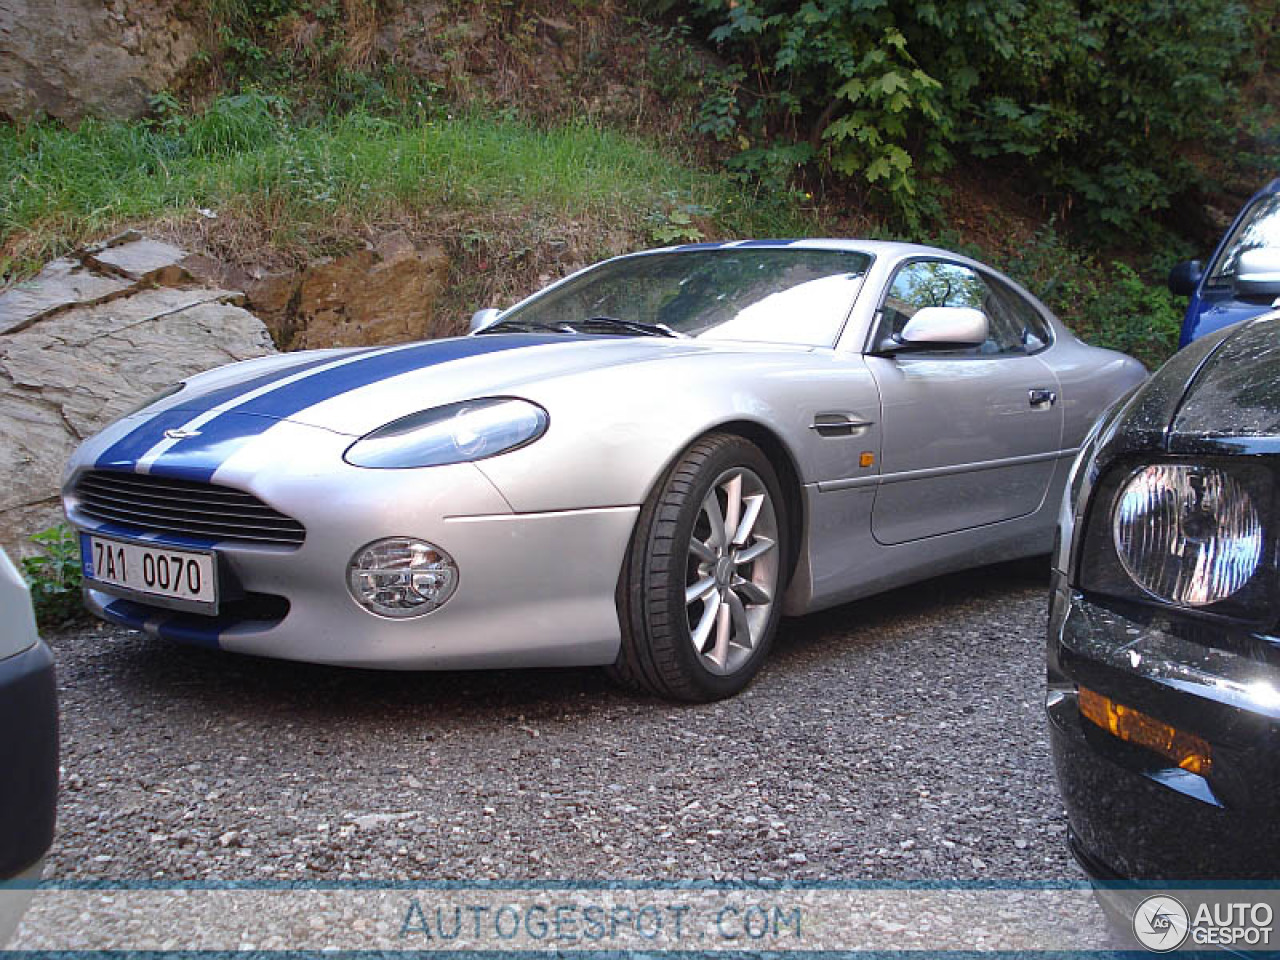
(122,454)
(125,452)
(186,628)
(767,243)
(168,626)
(215,398)
(198,458)
(188,631)
(181,629)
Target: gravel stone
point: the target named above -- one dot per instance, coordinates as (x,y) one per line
(901,737)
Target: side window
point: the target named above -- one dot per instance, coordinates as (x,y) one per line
(1023,324)
(936,283)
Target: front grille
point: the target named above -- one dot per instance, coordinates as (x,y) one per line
(150,504)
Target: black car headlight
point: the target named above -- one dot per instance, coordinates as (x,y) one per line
(457,433)
(1191,533)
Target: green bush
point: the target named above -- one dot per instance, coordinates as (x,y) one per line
(1110,306)
(1095,101)
(53,576)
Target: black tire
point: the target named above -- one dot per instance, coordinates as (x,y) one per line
(658,653)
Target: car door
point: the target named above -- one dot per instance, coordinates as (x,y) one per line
(969,435)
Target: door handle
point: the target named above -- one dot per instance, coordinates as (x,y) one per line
(1042,398)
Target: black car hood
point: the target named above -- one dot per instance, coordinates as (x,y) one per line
(1232,403)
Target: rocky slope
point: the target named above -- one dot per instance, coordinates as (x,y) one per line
(86,340)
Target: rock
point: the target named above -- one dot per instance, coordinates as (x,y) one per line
(62,284)
(385,293)
(79,348)
(140,259)
(74,58)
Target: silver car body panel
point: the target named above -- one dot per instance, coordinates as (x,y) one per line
(903,468)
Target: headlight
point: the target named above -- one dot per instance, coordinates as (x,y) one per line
(457,433)
(1190,533)
(1187,534)
(401,577)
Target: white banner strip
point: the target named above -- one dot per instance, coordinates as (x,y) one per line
(631,919)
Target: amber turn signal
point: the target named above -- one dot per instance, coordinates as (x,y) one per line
(1186,750)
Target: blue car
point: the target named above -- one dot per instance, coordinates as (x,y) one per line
(1243,278)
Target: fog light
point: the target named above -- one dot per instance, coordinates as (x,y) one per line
(1188,751)
(401,577)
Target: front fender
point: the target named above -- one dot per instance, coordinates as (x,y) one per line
(613,433)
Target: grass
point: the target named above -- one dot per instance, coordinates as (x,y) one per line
(60,187)
(516,204)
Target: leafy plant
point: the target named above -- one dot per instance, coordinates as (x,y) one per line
(1096,103)
(718,112)
(672,222)
(53,576)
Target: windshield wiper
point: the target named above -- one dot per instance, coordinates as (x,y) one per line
(631,326)
(591,325)
(526,326)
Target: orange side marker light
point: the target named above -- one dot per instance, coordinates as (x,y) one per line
(1186,750)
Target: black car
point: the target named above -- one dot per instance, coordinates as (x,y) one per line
(1164,625)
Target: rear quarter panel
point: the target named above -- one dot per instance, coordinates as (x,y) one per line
(1091,380)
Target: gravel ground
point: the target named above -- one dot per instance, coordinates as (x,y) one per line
(896,738)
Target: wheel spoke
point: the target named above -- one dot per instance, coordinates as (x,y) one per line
(711,507)
(702,551)
(733,504)
(724,630)
(748,522)
(700,590)
(741,626)
(754,552)
(752,593)
(703,630)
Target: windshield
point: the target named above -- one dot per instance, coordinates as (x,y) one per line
(769,295)
(1259,227)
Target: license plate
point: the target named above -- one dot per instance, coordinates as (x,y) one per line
(152,570)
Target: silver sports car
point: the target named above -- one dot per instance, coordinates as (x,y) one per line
(643,466)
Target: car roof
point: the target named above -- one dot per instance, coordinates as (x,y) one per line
(885,248)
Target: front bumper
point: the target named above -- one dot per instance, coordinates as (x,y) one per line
(28,758)
(533,589)
(1134,814)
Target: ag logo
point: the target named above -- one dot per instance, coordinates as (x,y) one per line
(1161,923)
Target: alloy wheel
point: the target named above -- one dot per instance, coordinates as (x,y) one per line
(731,576)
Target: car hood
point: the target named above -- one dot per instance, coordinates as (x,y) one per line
(356,391)
(1233,400)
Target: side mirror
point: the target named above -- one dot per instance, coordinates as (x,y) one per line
(483,318)
(1184,277)
(1258,273)
(944,327)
